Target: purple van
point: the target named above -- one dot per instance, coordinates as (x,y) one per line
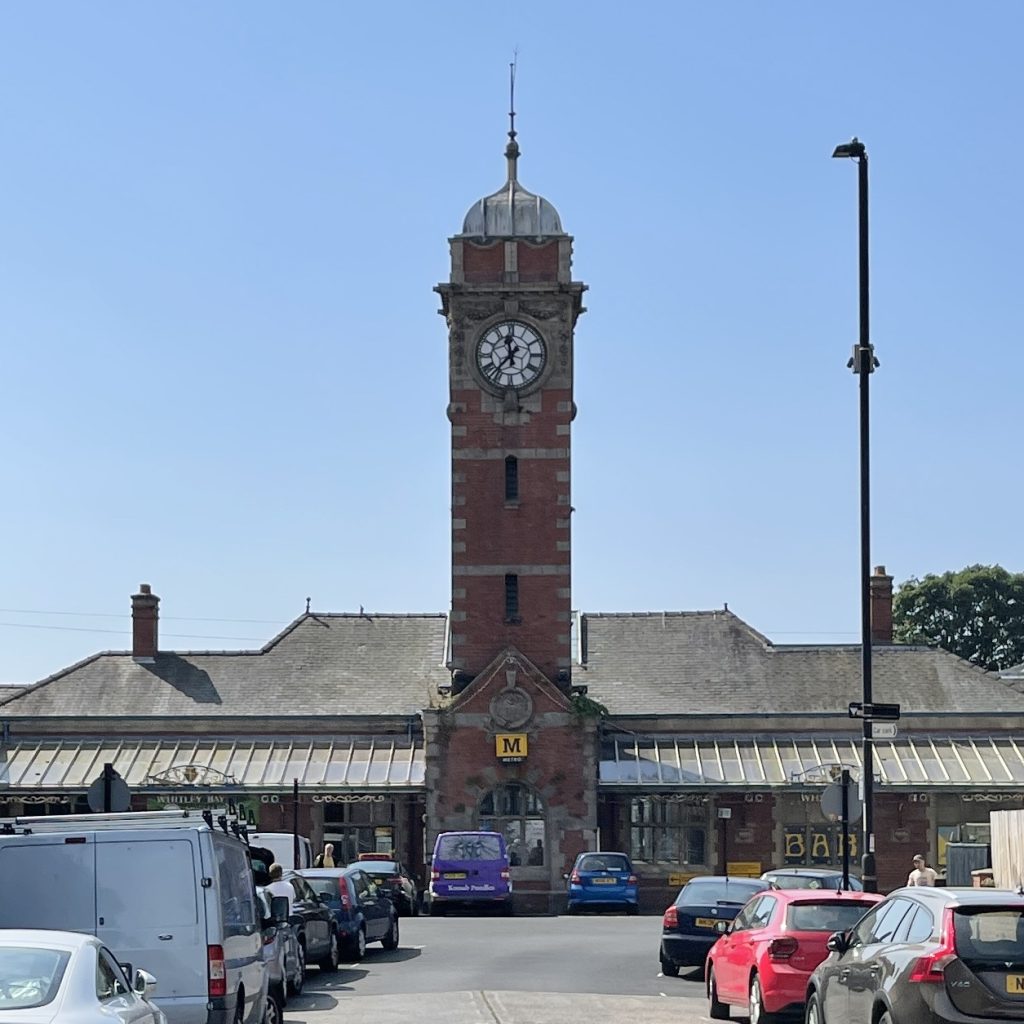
(470,869)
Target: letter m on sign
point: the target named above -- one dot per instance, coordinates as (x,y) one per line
(510,745)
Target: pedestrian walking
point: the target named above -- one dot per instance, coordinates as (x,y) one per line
(922,874)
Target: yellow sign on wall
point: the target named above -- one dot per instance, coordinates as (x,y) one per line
(744,868)
(511,746)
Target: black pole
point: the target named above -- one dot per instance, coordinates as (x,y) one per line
(845,783)
(295,824)
(108,778)
(865,365)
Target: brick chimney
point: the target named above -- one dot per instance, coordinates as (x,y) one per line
(881,606)
(145,617)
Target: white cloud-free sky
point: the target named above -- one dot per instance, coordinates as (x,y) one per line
(224,374)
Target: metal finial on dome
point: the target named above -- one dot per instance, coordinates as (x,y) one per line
(512,211)
(512,149)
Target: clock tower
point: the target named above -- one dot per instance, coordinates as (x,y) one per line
(511,307)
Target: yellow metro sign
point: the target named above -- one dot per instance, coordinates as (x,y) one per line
(510,746)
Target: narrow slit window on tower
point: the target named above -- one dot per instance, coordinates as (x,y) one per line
(511,598)
(511,478)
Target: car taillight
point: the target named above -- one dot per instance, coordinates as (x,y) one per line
(218,979)
(395,878)
(435,876)
(346,901)
(671,918)
(631,880)
(575,877)
(931,966)
(505,875)
(268,936)
(782,949)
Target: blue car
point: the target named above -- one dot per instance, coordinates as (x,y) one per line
(602,881)
(360,910)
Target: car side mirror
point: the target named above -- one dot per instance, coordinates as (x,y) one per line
(838,942)
(144,983)
(279,909)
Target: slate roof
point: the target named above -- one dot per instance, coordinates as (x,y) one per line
(650,663)
(321,664)
(714,663)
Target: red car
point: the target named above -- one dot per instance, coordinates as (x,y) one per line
(761,965)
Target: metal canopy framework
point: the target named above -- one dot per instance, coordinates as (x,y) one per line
(255,765)
(976,761)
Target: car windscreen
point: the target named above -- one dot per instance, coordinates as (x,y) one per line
(719,890)
(990,933)
(327,887)
(379,867)
(468,847)
(826,915)
(30,976)
(603,862)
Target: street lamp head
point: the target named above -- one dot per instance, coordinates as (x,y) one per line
(853,150)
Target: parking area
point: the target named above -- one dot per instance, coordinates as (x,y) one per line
(491,970)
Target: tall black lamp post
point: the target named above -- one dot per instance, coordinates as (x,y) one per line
(863,363)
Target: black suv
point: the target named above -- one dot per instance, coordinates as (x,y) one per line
(926,956)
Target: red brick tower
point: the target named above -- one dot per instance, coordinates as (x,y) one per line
(511,306)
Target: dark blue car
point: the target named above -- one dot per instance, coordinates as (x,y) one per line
(362,912)
(602,881)
(701,912)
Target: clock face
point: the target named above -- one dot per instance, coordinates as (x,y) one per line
(511,355)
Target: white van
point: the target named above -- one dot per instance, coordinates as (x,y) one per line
(282,846)
(168,891)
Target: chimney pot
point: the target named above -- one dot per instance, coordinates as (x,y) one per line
(145,624)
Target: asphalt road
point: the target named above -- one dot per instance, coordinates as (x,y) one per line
(496,970)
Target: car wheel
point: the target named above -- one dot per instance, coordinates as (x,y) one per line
(357,947)
(436,909)
(813,1014)
(330,962)
(296,983)
(886,1018)
(717,1010)
(669,969)
(274,1012)
(755,1004)
(390,940)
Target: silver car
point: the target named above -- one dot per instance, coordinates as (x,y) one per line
(67,976)
(282,954)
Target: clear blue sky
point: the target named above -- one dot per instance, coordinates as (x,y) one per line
(224,374)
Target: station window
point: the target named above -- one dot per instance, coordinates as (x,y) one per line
(518,813)
(667,830)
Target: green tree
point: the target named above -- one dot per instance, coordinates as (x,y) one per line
(977,613)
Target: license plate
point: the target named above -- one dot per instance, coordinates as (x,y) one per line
(455,874)
(603,881)
(706,922)
(1015,984)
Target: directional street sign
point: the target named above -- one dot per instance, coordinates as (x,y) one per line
(875,712)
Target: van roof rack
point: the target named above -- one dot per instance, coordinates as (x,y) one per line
(213,818)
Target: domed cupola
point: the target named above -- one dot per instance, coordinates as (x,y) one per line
(512,211)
